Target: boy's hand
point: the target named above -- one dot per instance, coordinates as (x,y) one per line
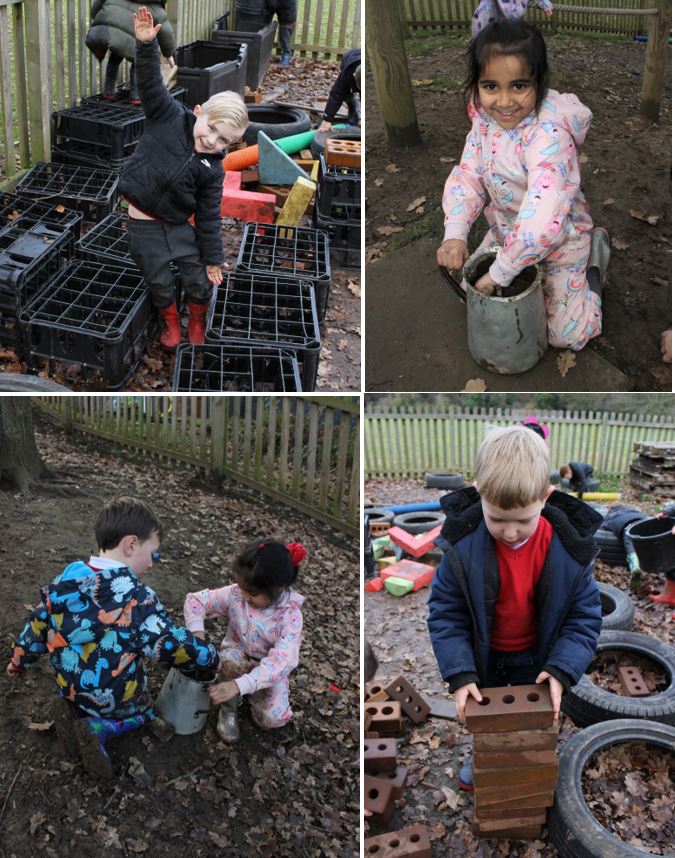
(485,284)
(215,275)
(556,691)
(145,32)
(13,672)
(462,695)
(325,126)
(453,253)
(549,13)
(223,692)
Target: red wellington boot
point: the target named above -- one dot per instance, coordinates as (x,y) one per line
(668,595)
(170,323)
(197,323)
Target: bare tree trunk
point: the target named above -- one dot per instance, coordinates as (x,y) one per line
(20,463)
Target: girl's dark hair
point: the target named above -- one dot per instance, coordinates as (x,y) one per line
(507,38)
(266,567)
(125,516)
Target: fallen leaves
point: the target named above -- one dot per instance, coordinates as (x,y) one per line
(416,203)
(388,230)
(565,361)
(425,82)
(354,288)
(476,385)
(444,159)
(378,182)
(392,168)
(638,214)
(619,244)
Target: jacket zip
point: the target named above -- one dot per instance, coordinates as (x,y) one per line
(173,178)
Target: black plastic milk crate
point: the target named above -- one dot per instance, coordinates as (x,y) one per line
(12,207)
(284,251)
(260,46)
(223,22)
(77,153)
(116,127)
(220,367)
(339,192)
(121,98)
(31,252)
(345,241)
(257,309)
(87,189)
(205,68)
(94,315)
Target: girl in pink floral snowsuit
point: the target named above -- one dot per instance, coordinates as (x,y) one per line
(262,642)
(521,156)
(488,11)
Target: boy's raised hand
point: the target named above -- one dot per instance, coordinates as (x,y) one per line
(462,695)
(215,274)
(557,689)
(145,31)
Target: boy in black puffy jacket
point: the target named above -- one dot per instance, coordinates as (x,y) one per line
(175,171)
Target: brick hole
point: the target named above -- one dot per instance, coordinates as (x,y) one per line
(533,697)
(508,698)
(629,670)
(387,710)
(376,689)
(485,701)
(371,710)
(373,793)
(418,708)
(408,700)
(373,849)
(414,838)
(394,843)
(381,747)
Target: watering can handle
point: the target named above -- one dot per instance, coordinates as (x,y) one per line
(201,712)
(454,282)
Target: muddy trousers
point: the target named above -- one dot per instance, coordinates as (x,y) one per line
(111,72)
(153,245)
(573,311)
(270,707)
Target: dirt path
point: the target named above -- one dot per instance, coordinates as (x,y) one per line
(625,169)
(290,793)
(435,750)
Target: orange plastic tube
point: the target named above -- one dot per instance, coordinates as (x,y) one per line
(241,158)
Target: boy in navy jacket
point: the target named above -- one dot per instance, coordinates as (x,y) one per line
(514,600)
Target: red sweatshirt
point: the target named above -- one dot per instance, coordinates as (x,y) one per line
(515,626)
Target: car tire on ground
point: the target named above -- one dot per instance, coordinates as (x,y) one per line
(318,144)
(419,522)
(378,515)
(586,703)
(11,382)
(276,122)
(441,480)
(573,829)
(618,609)
(612,551)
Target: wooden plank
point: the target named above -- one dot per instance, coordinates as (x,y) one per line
(326,458)
(38,95)
(236,431)
(298,448)
(18,22)
(353,506)
(283,450)
(343,442)
(272,441)
(248,431)
(259,426)
(7,101)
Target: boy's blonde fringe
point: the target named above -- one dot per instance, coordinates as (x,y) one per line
(512,467)
(227,107)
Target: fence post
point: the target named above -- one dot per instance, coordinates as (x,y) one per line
(174,9)
(655,61)
(39,79)
(218,433)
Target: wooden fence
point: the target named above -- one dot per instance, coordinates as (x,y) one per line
(45,65)
(457,14)
(404,442)
(302,451)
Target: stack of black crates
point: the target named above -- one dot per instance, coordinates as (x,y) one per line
(338,212)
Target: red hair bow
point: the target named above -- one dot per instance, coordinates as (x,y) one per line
(297,552)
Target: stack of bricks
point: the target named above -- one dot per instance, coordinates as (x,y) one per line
(384,778)
(515,764)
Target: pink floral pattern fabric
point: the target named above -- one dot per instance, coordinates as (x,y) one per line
(488,11)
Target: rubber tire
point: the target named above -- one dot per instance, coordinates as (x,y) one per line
(440,480)
(419,522)
(573,829)
(17,383)
(620,607)
(296,121)
(379,514)
(319,142)
(612,551)
(585,703)
(554,477)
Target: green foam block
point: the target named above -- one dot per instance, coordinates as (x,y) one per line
(398,586)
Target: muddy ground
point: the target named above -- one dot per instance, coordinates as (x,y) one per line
(435,750)
(293,792)
(626,167)
(340,366)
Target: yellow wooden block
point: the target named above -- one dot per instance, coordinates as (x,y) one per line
(383,562)
(296,202)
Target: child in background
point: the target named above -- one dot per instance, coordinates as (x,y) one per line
(264,627)
(521,152)
(514,601)
(99,624)
(488,11)
(176,170)
(286,13)
(540,428)
(578,473)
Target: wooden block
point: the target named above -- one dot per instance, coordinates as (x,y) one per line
(386,717)
(410,842)
(505,813)
(510,708)
(523,776)
(379,755)
(306,155)
(250,176)
(371,734)
(385,562)
(632,683)
(253,97)
(412,703)
(378,799)
(279,192)
(343,153)
(526,832)
(524,819)
(525,740)
(296,203)
(494,798)
(397,779)
(513,759)
(376,691)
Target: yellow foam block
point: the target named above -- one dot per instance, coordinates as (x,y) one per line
(296,202)
(383,562)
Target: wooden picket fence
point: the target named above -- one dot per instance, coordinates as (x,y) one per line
(456,14)
(302,451)
(409,442)
(46,66)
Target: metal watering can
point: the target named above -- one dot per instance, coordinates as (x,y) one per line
(507,331)
(184,702)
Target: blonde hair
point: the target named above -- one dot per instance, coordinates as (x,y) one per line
(227,107)
(512,467)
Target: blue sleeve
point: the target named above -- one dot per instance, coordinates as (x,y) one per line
(32,642)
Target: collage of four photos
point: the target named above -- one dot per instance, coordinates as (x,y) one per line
(338,516)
